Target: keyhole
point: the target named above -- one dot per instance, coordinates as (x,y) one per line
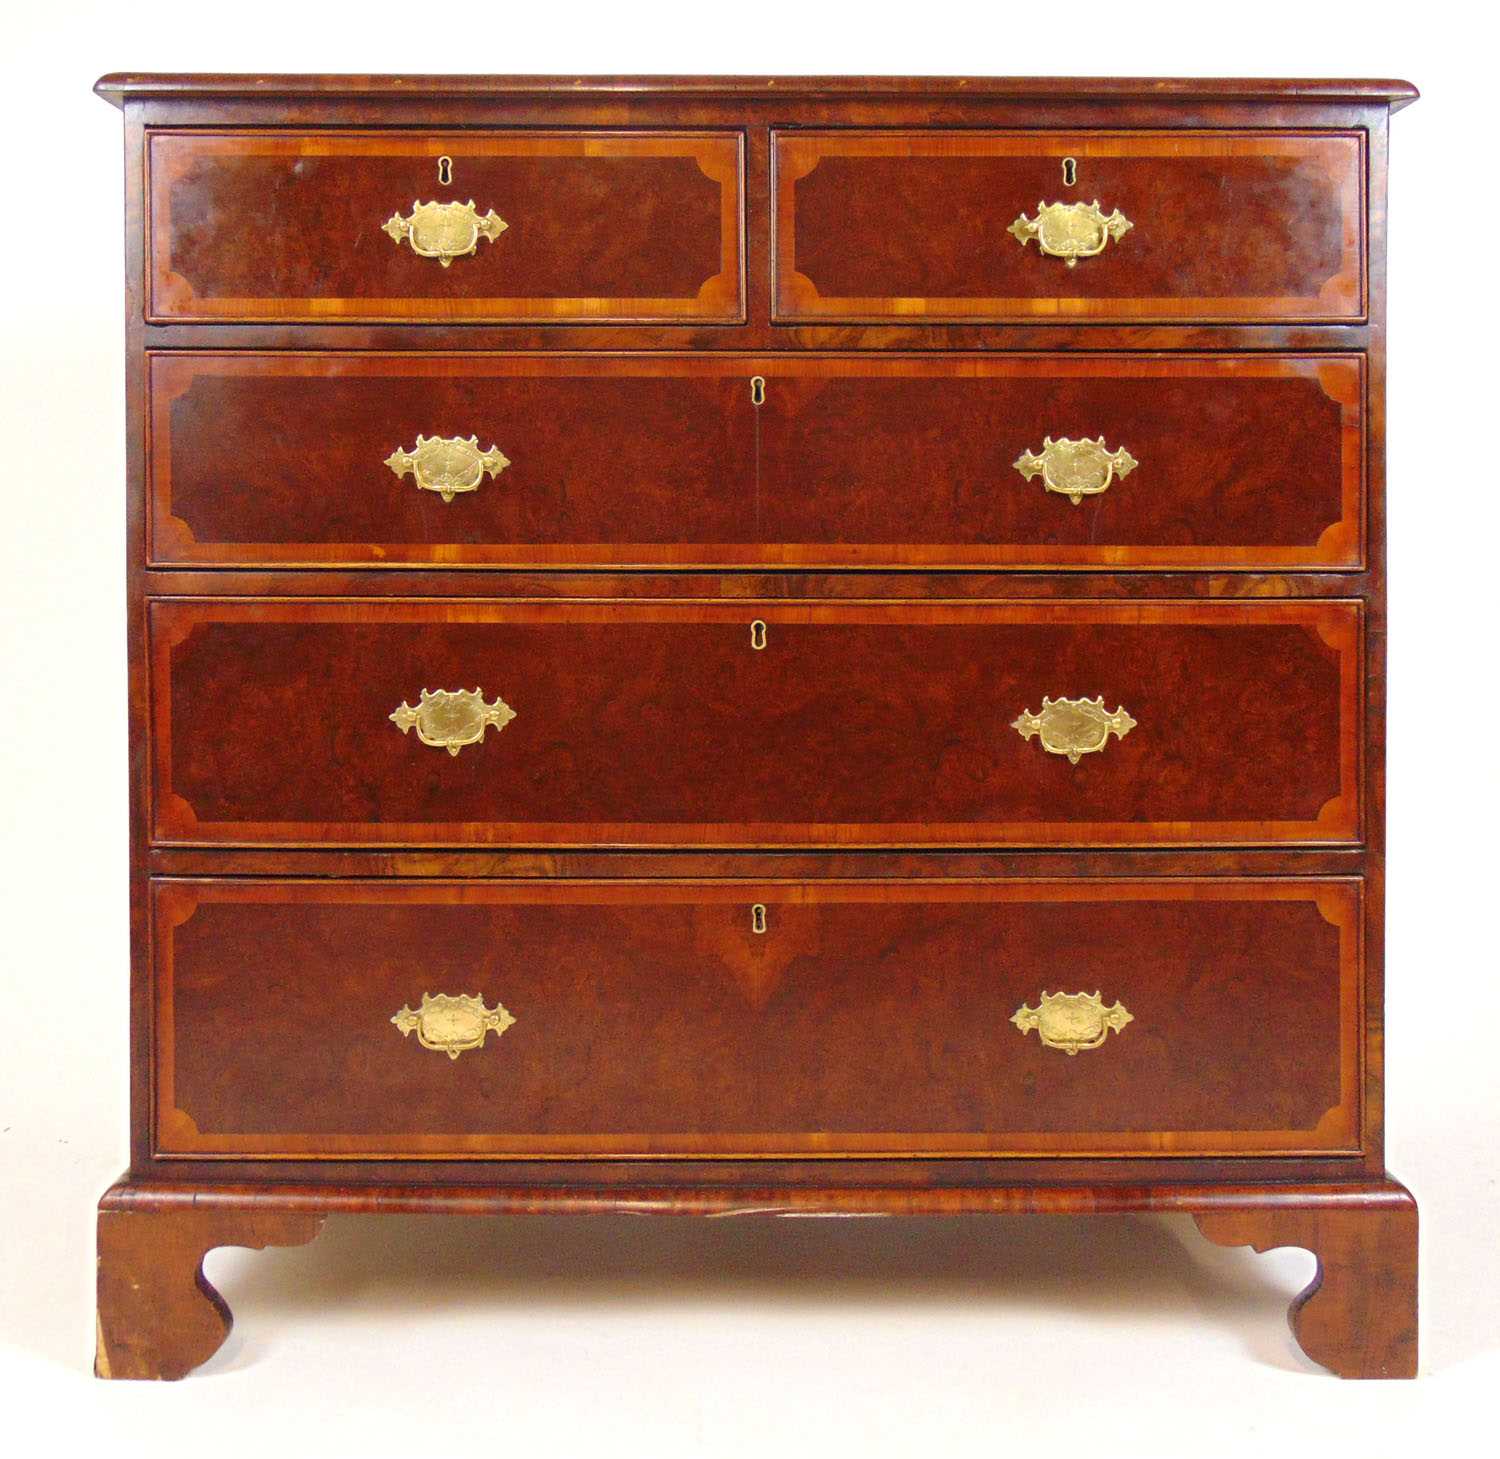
(1070,172)
(757,634)
(445,170)
(758,918)
(757,390)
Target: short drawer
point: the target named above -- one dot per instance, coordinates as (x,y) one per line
(745,723)
(979,226)
(368,226)
(484,1019)
(1112,461)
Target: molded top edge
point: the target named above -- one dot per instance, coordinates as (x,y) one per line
(119,87)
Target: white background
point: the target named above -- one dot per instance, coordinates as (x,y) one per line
(676,1337)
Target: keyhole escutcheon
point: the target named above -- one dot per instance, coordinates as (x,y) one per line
(758,634)
(1070,171)
(445,170)
(758,917)
(757,390)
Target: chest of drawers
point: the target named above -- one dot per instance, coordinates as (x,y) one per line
(746,646)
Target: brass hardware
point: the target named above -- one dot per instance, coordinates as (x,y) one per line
(1076,469)
(1071,1021)
(1073,727)
(449,719)
(758,917)
(448,465)
(445,170)
(1070,171)
(444,231)
(1070,230)
(757,390)
(452,1024)
(757,634)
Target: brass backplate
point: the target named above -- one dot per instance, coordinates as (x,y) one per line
(444,231)
(452,718)
(1072,1021)
(1076,469)
(452,1023)
(1073,727)
(448,465)
(1071,231)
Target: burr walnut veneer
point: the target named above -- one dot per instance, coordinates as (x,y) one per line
(755,646)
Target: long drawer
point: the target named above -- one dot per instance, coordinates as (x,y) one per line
(502,225)
(1112,461)
(658,1019)
(1108,225)
(745,724)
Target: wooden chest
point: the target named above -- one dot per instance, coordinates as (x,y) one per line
(737,646)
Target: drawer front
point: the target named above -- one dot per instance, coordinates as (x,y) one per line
(1118,461)
(287,721)
(978,226)
(582,226)
(648,1020)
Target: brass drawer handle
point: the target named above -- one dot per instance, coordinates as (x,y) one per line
(448,465)
(1075,469)
(1073,727)
(1071,1021)
(452,718)
(1070,230)
(444,231)
(452,1024)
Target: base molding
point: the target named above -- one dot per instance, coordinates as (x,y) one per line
(158,1316)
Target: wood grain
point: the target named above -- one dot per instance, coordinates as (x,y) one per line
(659,724)
(602,225)
(653,1021)
(913,224)
(647,460)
